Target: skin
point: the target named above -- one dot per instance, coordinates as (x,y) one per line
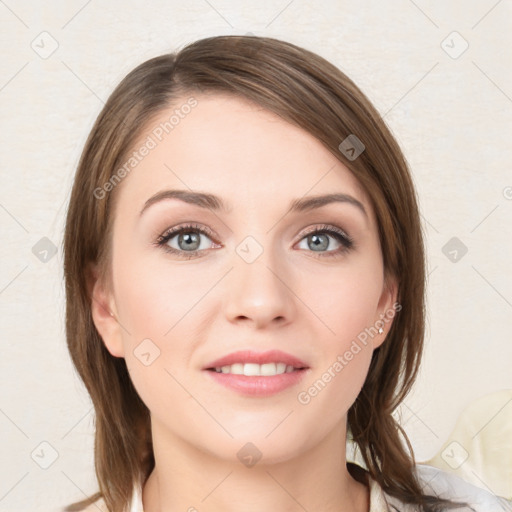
(293,297)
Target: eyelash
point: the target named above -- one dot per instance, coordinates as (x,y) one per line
(343,238)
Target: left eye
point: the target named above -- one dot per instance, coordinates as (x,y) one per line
(318,241)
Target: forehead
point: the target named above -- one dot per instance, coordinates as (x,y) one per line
(234,149)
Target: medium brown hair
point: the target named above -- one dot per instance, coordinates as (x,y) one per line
(311,93)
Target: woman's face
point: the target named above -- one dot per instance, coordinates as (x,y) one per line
(248,277)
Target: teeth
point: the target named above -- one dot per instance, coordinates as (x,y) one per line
(252,369)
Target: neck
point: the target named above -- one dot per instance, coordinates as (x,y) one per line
(187,479)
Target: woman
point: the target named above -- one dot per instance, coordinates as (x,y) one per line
(245,280)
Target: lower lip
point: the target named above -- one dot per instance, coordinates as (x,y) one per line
(258,386)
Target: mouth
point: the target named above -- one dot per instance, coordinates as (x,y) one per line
(251,363)
(257,374)
(256,370)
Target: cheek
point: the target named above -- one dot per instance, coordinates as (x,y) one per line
(160,310)
(339,375)
(152,300)
(344,300)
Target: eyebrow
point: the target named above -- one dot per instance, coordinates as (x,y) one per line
(213,202)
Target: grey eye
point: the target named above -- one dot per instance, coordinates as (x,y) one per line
(187,240)
(319,242)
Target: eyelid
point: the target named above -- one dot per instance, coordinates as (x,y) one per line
(190,226)
(327,228)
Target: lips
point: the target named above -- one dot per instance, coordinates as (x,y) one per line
(249,356)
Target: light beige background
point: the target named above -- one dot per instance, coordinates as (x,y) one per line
(451,113)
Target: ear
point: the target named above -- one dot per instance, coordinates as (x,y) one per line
(386,310)
(104,313)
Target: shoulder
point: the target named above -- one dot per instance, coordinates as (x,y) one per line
(446,485)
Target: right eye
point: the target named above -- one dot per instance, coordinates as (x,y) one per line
(186,240)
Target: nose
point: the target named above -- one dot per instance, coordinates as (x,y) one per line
(258,293)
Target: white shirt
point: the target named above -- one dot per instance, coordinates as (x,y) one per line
(434,481)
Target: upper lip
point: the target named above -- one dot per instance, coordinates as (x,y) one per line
(249,356)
